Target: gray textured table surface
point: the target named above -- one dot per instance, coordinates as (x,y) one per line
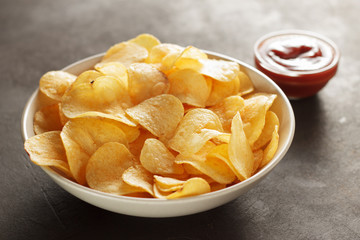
(312,194)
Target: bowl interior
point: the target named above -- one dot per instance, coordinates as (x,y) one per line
(178,207)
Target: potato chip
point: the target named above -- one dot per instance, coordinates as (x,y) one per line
(105,168)
(253,115)
(258,157)
(192,187)
(158,193)
(193,52)
(190,87)
(145,82)
(96,95)
(54,84)
(86,77)
(246,86)
(159,115)
(271,120)
(221,151)
(131,133)
(168,184)
(147,41)
(223,138)
(187,63)
(136,146)
(160,51)
(227,109)
(47,119)
(114,69)
(82,137)
(189,169)
(188,56)
(195,129)
(221,90)
(271,148)
(220,70)
(138,176)
(47,149)
(240,153)
(213,167)
(168,61)
(157,159)
(126,53)
(63,118)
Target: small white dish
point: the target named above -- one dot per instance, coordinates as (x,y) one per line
(145,207)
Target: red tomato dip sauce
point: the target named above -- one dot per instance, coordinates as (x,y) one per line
(300,62)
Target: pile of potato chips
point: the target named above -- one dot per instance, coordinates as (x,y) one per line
(156,120)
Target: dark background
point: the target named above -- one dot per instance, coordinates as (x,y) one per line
(312,194)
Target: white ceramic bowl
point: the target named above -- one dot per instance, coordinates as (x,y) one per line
(177,207)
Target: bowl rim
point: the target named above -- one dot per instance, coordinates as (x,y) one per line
(233,188)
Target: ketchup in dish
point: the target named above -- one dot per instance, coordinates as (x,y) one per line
(300,62)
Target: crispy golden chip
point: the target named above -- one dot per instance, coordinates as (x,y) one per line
(160,51)
(220,70)
(145,81)
(95,95)
(221,90)
(193,52)
(83,136)
(196,140)
(192,187)
(157,159)
(138,176)
(222,152)
(213,167)
(223,71)
(54,84)
(47,149)
(105,168)
(86,77)
(271,121)
(168,61)
(189,169)
(223,138)
(47,119)
(253,115)
(136,146)
(145,40)
(187,63)
(227,109)
(271,148)
(240,153)
(195,129)
(131,133)
(159,115)
(114,69)
(190,87)
(63,118)
(126,53)
(168,184)
(246,86)
(158,193)
(258,157)
(187,57)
